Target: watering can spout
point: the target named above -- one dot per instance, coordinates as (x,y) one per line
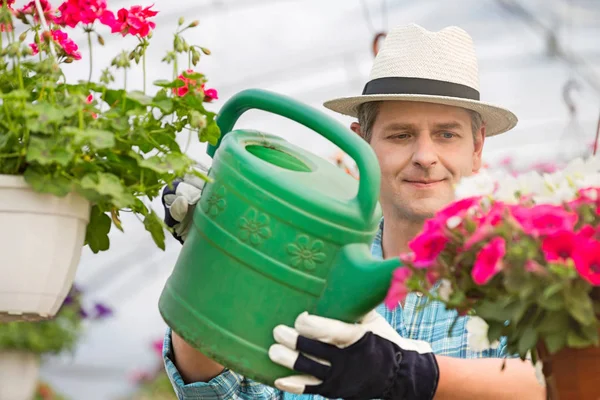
(357,284)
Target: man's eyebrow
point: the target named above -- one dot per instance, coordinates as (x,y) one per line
(449,125)
(398,126)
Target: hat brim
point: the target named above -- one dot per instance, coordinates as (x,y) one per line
(497,119)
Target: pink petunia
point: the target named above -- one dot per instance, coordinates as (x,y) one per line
(559,246)
(489,261)
(398,290)
(427,246)
(544,219)
(587,261)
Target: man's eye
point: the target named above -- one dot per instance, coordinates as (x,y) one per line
(448,135)
(400,136)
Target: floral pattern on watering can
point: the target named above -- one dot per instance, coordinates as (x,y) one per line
(306,254)
(254,227)
(216,202)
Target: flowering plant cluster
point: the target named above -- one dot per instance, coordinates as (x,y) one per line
(114,147)
(521,254)
(56,335)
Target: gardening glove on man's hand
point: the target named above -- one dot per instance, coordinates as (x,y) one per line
(180,201)
(354,361)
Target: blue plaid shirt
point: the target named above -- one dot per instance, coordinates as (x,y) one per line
(430,323)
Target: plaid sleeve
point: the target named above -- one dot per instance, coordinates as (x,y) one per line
(228,385)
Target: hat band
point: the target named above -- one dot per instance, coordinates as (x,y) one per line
(432,87)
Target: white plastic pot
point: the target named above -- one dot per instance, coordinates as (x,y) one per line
(41,238)
(19,372)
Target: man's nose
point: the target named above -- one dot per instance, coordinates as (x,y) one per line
(425,154)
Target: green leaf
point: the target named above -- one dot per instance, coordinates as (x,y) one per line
(554,321)
(210,134)
(43,182)
(577,341)
(153,224)
(528,340)
(46,152)
(17,94)
(172,162)
(8,140)
(169,84)
(552,298)
(555,341)
(108,185)
(140,97)
(97,138)
(97,231)
(163,102)
(580,306)
(495,330)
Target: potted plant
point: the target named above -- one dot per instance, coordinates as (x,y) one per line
(521,255)
(22,344)
(75,155)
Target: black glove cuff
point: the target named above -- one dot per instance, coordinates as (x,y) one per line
(413,376)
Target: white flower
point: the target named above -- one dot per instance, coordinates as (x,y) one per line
(539,373)
(453,221)
(445,289)
(481,184)
(477,338)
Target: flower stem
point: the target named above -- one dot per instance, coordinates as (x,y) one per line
(144,67)
(89,37)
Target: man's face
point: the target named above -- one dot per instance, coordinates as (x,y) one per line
(423,150)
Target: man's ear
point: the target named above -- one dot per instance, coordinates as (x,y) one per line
(355,126)
(478,149)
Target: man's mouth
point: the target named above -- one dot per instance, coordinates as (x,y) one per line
(424,183)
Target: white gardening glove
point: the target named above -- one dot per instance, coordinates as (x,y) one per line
(179,203)
(353,361)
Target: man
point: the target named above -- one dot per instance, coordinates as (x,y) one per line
(421,113)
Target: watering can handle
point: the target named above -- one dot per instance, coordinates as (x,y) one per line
(350,143)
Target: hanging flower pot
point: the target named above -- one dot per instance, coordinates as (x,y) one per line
(74,154)
(571,373)
(41,237)
(19,372)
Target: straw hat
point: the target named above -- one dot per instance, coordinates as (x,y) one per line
(415,64)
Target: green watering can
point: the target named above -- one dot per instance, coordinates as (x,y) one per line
(277,232)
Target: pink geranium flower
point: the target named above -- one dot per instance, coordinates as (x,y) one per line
(30,9)
(489,261)
(134,21)
(73,12)
(68,46)
(192,84)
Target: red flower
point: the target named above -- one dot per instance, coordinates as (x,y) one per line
(489,261)
(559,246)
(587,261)
(30,9)
(69,47)
(133,21)
(72,12)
